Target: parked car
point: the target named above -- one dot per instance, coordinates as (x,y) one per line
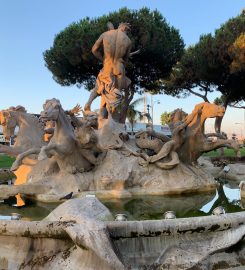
(3,139)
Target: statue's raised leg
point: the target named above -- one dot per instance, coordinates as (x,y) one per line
(92,97)
(21,156)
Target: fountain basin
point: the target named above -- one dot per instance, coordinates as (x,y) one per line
(182,243)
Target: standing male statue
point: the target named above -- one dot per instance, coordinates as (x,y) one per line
(111,80)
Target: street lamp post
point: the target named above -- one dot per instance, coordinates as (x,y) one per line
(152,109)
(148,111)
(152,106)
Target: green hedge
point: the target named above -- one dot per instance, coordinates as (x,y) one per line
(227,152)
(6,161)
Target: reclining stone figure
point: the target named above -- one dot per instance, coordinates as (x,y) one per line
(188,140)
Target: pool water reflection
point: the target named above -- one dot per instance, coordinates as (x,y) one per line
(145,207)
(192,205)
(31,211)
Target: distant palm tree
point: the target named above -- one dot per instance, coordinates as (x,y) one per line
(134,115)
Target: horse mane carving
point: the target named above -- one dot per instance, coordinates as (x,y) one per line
(18,108)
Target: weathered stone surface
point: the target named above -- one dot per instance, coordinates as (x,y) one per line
(120,176)
(29,253)
(236,172)
(5,175)
(71,237)
(115,172)
(88,231)
(232,258)
(7,191)
(122,172)
(179,243)
(80,209)
(87,243)
(208,166)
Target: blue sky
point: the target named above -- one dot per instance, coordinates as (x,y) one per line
(27,29)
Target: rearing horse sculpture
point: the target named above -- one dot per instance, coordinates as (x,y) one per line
(194,140)
(63,146)
(30,132)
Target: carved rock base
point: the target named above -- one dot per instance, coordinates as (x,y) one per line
(119,176)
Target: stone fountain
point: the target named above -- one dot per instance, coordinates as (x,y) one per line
(95,155)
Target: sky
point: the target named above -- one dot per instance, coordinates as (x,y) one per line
(28,28)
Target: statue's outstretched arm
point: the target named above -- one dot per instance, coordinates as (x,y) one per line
(158,135)
(134,53)
(75,110)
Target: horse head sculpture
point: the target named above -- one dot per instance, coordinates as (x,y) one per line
(194,141)
(210,110)
(30,133)
(204,111)
(63,146)
(52,108)
(8,123)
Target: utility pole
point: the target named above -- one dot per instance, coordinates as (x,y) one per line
(152,110)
